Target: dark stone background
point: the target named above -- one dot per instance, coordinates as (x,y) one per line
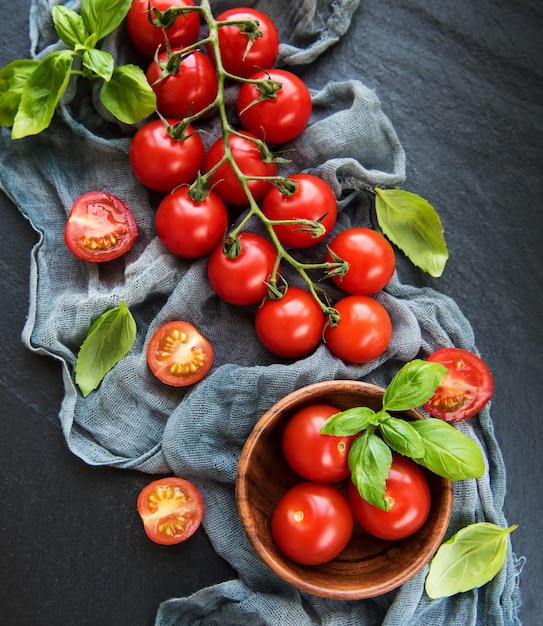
(462,83)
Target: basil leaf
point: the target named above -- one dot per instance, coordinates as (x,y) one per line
(411,223)
(402,437)
(369,461)
(13,78)
(413,385)
(102,17)
(349,422)
(42,92)
(70,26)
(109,339)
(469,559)
(128,95)
(99,62)
(447,451)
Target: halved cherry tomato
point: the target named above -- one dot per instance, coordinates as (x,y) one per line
(313,200)
(178,354)
(146,37)
(171,510)
(322,458)
(100,227)
(241,54)
(408,494)
(250,161)
(279,117)
(370,257)
(292,326)
(312,523)
(464,389)
(363,332)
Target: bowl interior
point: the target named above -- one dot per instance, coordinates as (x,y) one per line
(368,566)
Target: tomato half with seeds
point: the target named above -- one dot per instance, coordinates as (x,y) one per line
(178,354)
(100,227)
(464,390)
(318,457)
(147,37)
(312,523)
(408,495)
(171,510)
(291,326)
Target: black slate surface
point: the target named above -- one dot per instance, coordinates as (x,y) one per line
(462,83)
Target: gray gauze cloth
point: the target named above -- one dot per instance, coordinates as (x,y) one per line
(134,421)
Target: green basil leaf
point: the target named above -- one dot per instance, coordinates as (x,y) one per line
(70,26)
(42,92)
(128,95)
(369,461)
(102,17)
(99,62)
(447,451)
(413,385)
(109,339)
(13,78)
(402,437)
(469,559)
(411,223)
(349,422)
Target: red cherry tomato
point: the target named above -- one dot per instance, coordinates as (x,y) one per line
(188,228)
(187,92)
(250,161)
(312,200)
(239,55)
(312,523)
(242,280)
(178,355)
(146,37)
(371,260)
(464,390)
(321,458)
(292,326)
(171,510)
(408,494)
(100,227)
(363,332)
(279,118)
(160,162)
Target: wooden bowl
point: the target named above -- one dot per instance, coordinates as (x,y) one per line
(368,566)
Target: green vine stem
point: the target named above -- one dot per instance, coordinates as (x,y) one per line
(287,186)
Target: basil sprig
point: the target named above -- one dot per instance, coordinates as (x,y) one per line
(430,442)
(30,90)
(109,339)
(469,559)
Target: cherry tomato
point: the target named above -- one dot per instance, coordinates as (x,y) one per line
(464,390)
(188,91)
(178,355)
(292,326)
(250,161)
(312,200)
(321,458)
(239,55)
(363,332)
(371,260)
(100,227)
(146,37)
(242,280)
(171,510)
(281,117)
(312,523)
(408,495)
(188,228)
(161,162)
